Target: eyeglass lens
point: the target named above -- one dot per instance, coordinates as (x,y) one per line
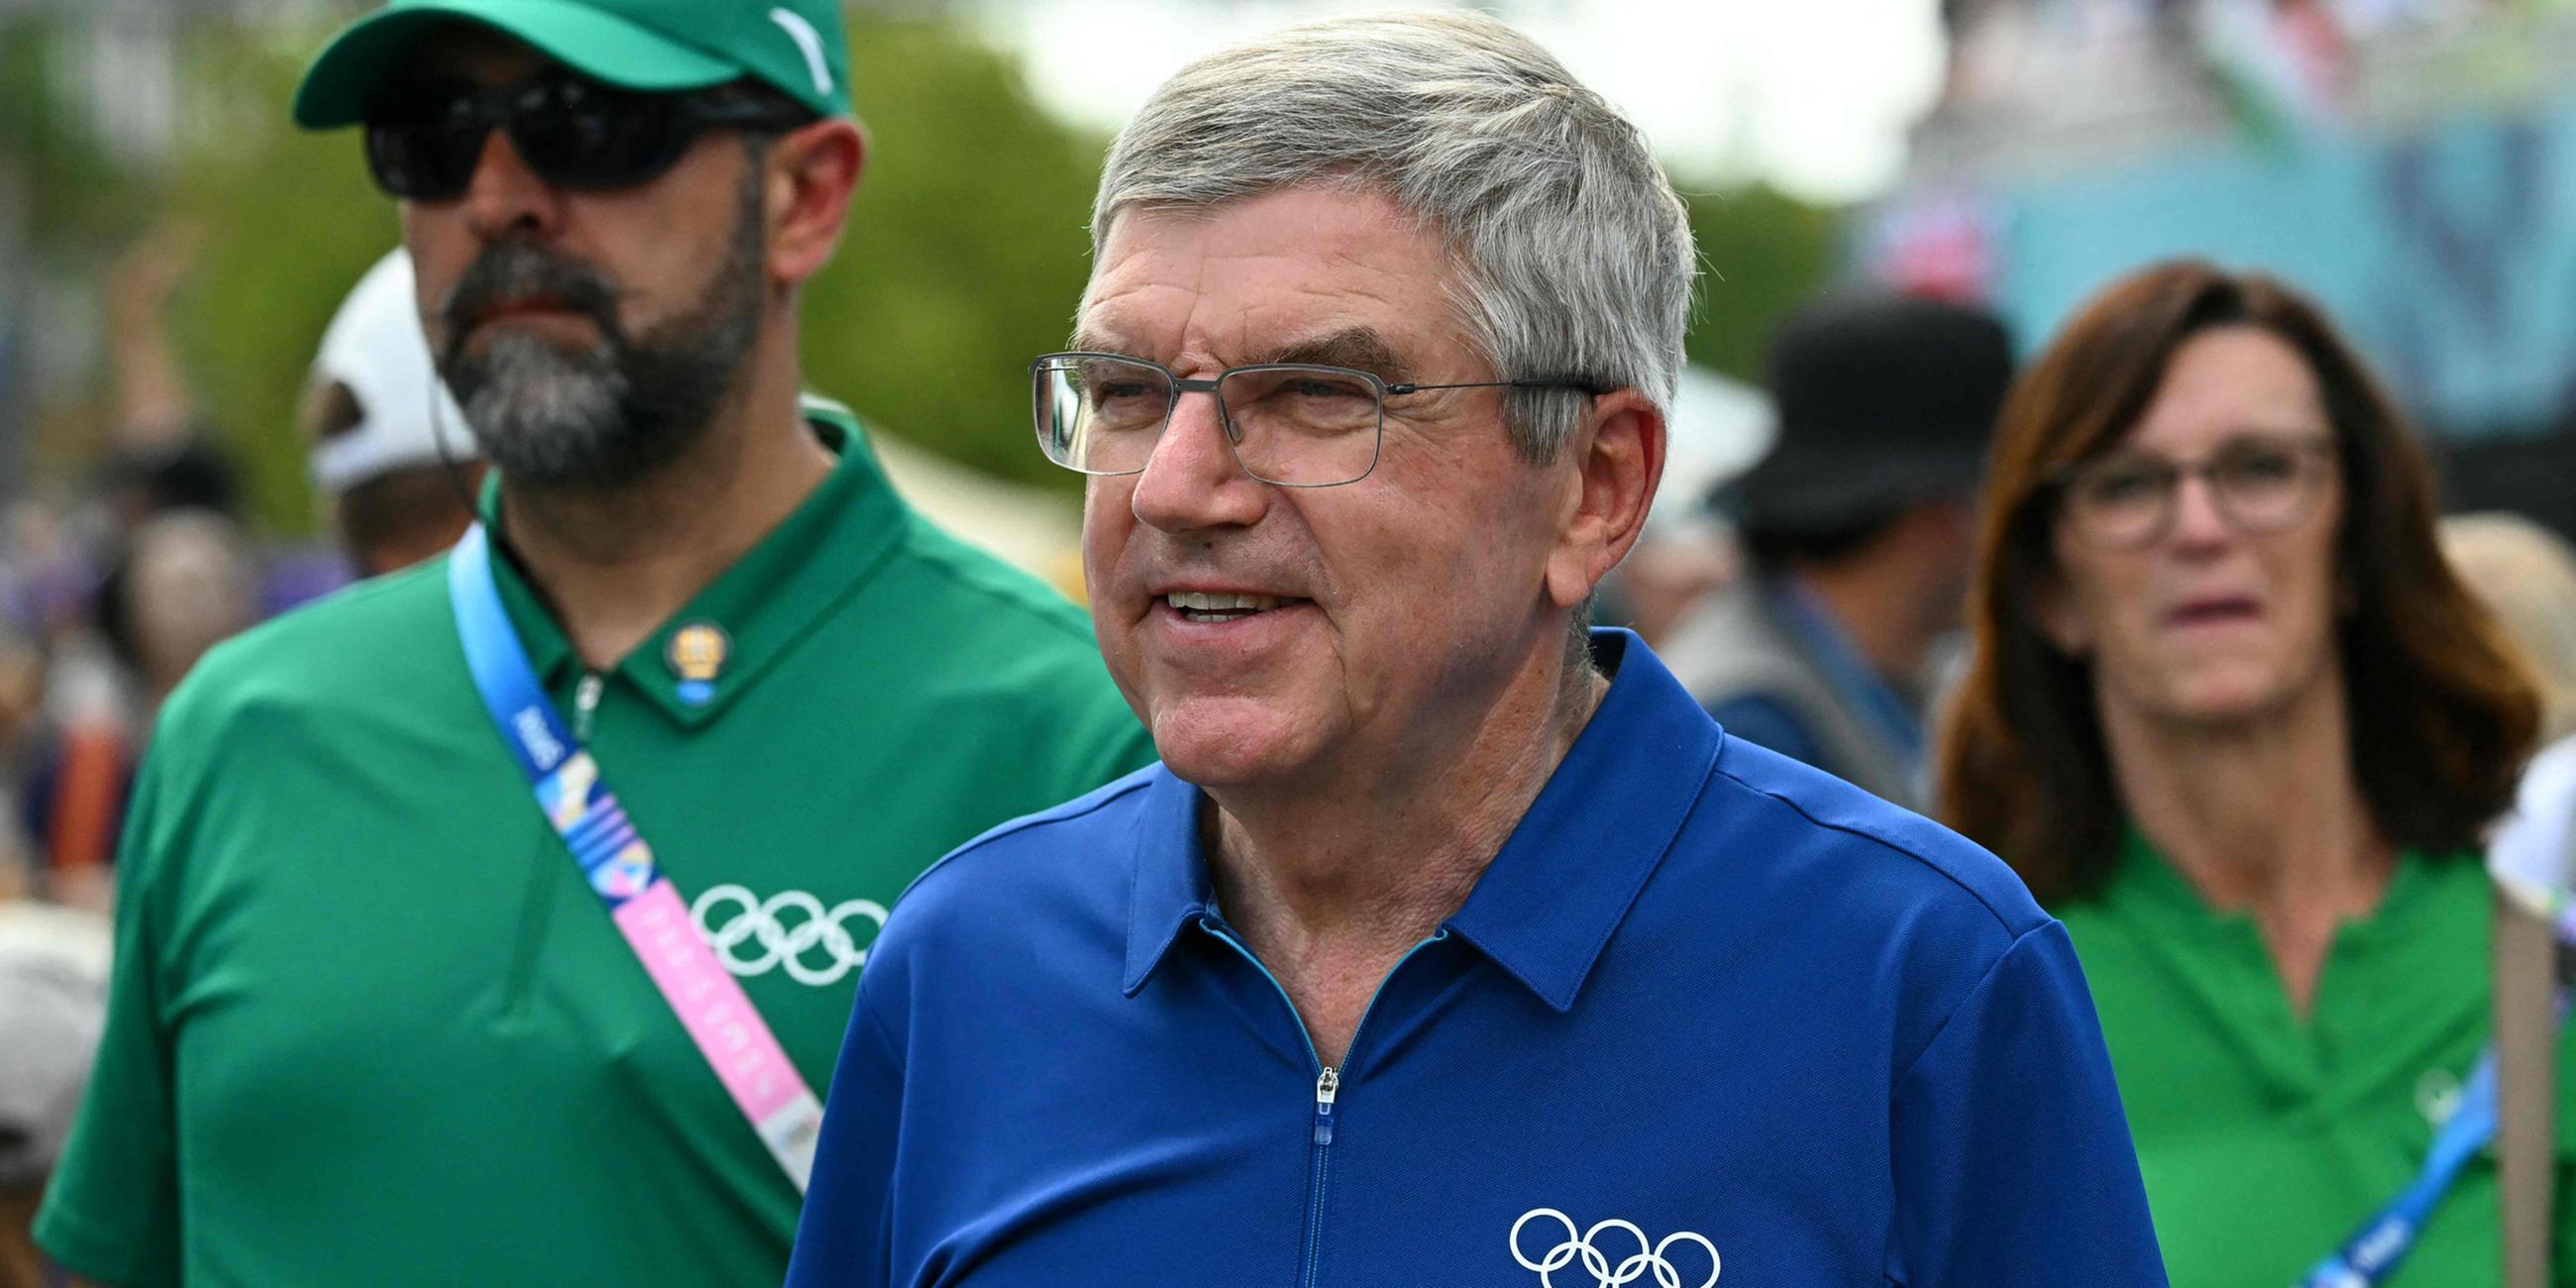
(1299,426)
(2257,483)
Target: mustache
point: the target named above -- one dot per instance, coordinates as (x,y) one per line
(518,271)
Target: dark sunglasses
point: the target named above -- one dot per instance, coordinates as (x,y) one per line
(424,141)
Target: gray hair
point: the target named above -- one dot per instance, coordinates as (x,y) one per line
(1572,255)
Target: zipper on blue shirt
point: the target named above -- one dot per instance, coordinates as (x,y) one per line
(1328,1085)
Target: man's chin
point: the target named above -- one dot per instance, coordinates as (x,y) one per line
(1238,740)
(569,435)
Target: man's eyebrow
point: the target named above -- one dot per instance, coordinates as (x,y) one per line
(1359,347)
(1086,340)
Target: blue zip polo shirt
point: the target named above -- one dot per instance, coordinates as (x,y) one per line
(1708,1012)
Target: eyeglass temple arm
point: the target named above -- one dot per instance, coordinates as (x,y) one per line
(1592,387)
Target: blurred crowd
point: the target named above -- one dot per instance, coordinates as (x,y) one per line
(1855,599)
(1818,603)
(112,587)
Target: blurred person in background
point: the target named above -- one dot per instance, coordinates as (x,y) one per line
(2525,574)
(186,580)
(71,747)
(392,457)
(160,451)
(22,710)
(405,994)
(162,455)
(1451,943)
(191,583)
(100,698)
(1675,568)
(2234,719)
(1857,528)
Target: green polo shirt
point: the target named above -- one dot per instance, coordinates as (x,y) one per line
(368,1025)
(2266,1139)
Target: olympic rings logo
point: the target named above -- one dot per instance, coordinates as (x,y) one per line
(790,930)
(1580,1246)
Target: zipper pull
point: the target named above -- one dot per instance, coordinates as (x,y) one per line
(1328,1085)
(585,703)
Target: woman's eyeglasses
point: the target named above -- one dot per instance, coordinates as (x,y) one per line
(2258,482)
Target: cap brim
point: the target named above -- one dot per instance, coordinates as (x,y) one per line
(341,83)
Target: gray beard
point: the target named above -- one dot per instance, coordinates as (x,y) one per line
(548,416)
(620,410)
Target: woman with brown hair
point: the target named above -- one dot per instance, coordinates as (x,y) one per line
(2233,719)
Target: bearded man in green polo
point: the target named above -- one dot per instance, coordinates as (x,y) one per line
(497,922)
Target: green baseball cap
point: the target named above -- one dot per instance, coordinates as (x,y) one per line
(798,46)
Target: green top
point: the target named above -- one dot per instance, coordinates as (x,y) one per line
(2264,1140)
(369,1026)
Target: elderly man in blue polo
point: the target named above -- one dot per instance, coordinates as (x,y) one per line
(1450,943)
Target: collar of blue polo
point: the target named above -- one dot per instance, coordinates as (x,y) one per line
(1563,881)
(772,597)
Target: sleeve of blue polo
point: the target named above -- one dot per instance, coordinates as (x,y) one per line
(843,1237)
(2012,1156)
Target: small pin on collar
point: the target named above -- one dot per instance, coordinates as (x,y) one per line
(697,655)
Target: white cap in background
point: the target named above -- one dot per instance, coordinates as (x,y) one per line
(53,1005)
(375,348)
(1717,428)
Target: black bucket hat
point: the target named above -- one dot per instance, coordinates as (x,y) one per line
(1883,400)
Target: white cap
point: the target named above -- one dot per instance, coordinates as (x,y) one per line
(375,347)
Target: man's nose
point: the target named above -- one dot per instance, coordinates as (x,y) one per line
(1192,481)
(505,198)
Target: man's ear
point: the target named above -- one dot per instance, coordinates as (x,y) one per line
(1617,459)
(811,175)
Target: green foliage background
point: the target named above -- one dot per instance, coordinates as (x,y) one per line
(966,252)
(1762,253)
(965,255)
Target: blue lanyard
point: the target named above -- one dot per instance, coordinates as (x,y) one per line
(618,866)
(2374,1250)
(594,826)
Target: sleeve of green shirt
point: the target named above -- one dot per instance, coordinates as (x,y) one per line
(1106,744)
(1071,731)
(2563,1244)
(2562,1195)
(111,1212)
(1081,732)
